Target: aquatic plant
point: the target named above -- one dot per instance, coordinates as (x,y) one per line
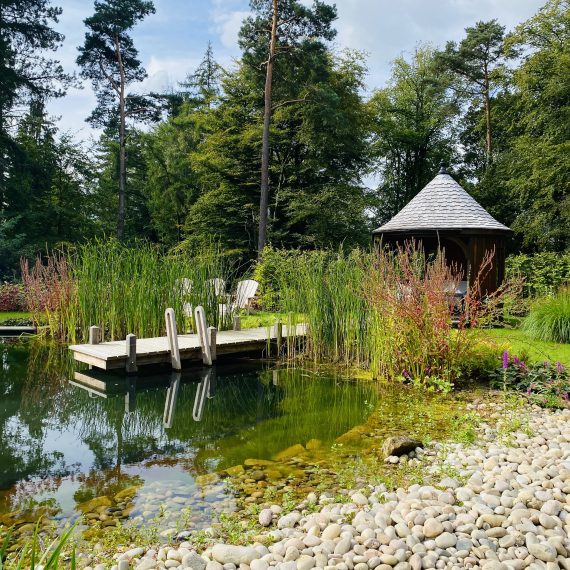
(549,318)
(392,312)
(35,554)
(124,289)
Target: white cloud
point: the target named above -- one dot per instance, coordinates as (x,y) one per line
(386,28)
(227,21)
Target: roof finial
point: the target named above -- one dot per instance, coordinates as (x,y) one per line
(443,167)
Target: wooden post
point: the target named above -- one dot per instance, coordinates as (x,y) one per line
(131,365)
(201,327)
(278,332)
(172,335)
(212,336)
(94,335)
(237,323)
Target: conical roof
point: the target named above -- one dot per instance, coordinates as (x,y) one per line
(442,205)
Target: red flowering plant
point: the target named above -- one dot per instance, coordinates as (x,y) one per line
(11,297)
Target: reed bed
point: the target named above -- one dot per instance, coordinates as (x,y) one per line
(124,289)
(393,313)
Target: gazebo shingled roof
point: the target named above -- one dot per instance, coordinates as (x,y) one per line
(442,205)
(443,215)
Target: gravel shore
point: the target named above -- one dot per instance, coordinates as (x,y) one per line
(500,503)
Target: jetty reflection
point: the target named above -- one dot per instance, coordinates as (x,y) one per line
(100,385)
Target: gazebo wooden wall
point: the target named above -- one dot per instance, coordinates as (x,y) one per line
(474,245)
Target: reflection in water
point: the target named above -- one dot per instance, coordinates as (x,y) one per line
(171,396)
(71,437)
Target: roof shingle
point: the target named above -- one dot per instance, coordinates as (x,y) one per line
(442,204)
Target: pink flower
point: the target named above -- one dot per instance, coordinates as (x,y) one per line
(505,359)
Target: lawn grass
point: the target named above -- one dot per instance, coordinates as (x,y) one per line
(7,315)
(261,319)
(537,350)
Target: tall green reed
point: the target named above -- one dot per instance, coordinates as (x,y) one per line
(126,289)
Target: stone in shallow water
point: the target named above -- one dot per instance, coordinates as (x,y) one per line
(399,445)
(93,504)
(292,451)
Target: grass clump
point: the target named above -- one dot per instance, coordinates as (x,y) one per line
(549,318)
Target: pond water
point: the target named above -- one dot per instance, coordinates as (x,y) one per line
(162,445)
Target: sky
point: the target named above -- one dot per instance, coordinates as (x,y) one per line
(172,42)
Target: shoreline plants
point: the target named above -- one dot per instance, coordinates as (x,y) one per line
(549,318)
(393,313)
(123,289)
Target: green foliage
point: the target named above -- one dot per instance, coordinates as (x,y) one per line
(544,383)
(124,289)
(543,273)
(410,124)
(108,32)
(35,555)
(385,312)
(549,318)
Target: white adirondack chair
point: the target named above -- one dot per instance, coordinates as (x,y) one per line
(217,285)
(245,292)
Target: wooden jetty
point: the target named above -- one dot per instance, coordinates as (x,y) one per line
(174,348)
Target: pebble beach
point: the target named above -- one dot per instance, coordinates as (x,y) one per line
(499,503)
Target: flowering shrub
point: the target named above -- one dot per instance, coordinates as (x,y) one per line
(11,297)
(544,383)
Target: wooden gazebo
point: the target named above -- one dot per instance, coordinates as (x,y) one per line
(443,215)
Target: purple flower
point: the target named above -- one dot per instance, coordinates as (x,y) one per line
(529,390)
(505,359)
(516,360)
(406,374)
(565,396)
(546,364)
(559,367)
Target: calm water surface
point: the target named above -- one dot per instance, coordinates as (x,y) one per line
(70,436)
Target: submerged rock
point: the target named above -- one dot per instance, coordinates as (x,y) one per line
(289,452)
(399,445)
(93,504)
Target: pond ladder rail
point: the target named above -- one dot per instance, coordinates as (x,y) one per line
(206,335)
(172,336)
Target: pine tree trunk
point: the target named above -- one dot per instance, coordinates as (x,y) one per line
(489,136)
(122,152)
(264,198)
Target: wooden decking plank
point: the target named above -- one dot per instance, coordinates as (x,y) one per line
(113,354)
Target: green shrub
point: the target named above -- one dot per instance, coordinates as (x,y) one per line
(543,272)
(549,318)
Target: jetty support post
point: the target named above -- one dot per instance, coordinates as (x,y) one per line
(212,339)
(172,335)
(94,334)
(203,335)
(131,365)
(278,333)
